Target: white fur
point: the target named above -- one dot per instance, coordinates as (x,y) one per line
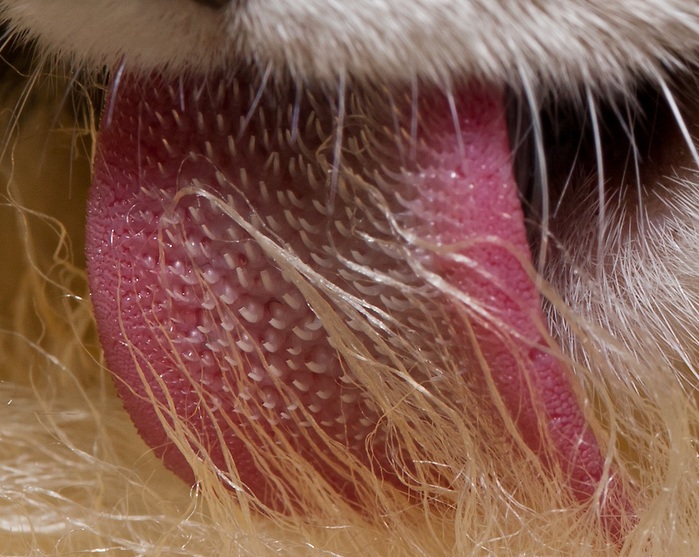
(574,42)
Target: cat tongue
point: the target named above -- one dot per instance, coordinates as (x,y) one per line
(197,319)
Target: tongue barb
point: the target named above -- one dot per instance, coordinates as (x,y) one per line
(197,319)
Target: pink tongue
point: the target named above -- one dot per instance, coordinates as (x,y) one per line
(195,315)
(475,208)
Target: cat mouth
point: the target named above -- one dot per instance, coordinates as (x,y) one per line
(621,153)
(264,258)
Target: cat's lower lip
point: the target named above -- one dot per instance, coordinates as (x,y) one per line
(255,254)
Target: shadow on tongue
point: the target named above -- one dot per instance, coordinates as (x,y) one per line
(198,321)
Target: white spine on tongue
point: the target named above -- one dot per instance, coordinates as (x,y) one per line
(198,320)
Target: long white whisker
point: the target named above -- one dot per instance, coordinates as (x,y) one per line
(541,169)
(337,148)
(256,101)
(413,118)
(601,197)
(116,81)
(680,121)
(455,119)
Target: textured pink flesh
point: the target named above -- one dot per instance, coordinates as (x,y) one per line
(474,202)
(468,197)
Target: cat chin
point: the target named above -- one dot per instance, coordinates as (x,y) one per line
(564,45)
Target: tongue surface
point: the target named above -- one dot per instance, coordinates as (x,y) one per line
(475,209)
(197,319)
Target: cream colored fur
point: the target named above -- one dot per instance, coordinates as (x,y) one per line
(622,282)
